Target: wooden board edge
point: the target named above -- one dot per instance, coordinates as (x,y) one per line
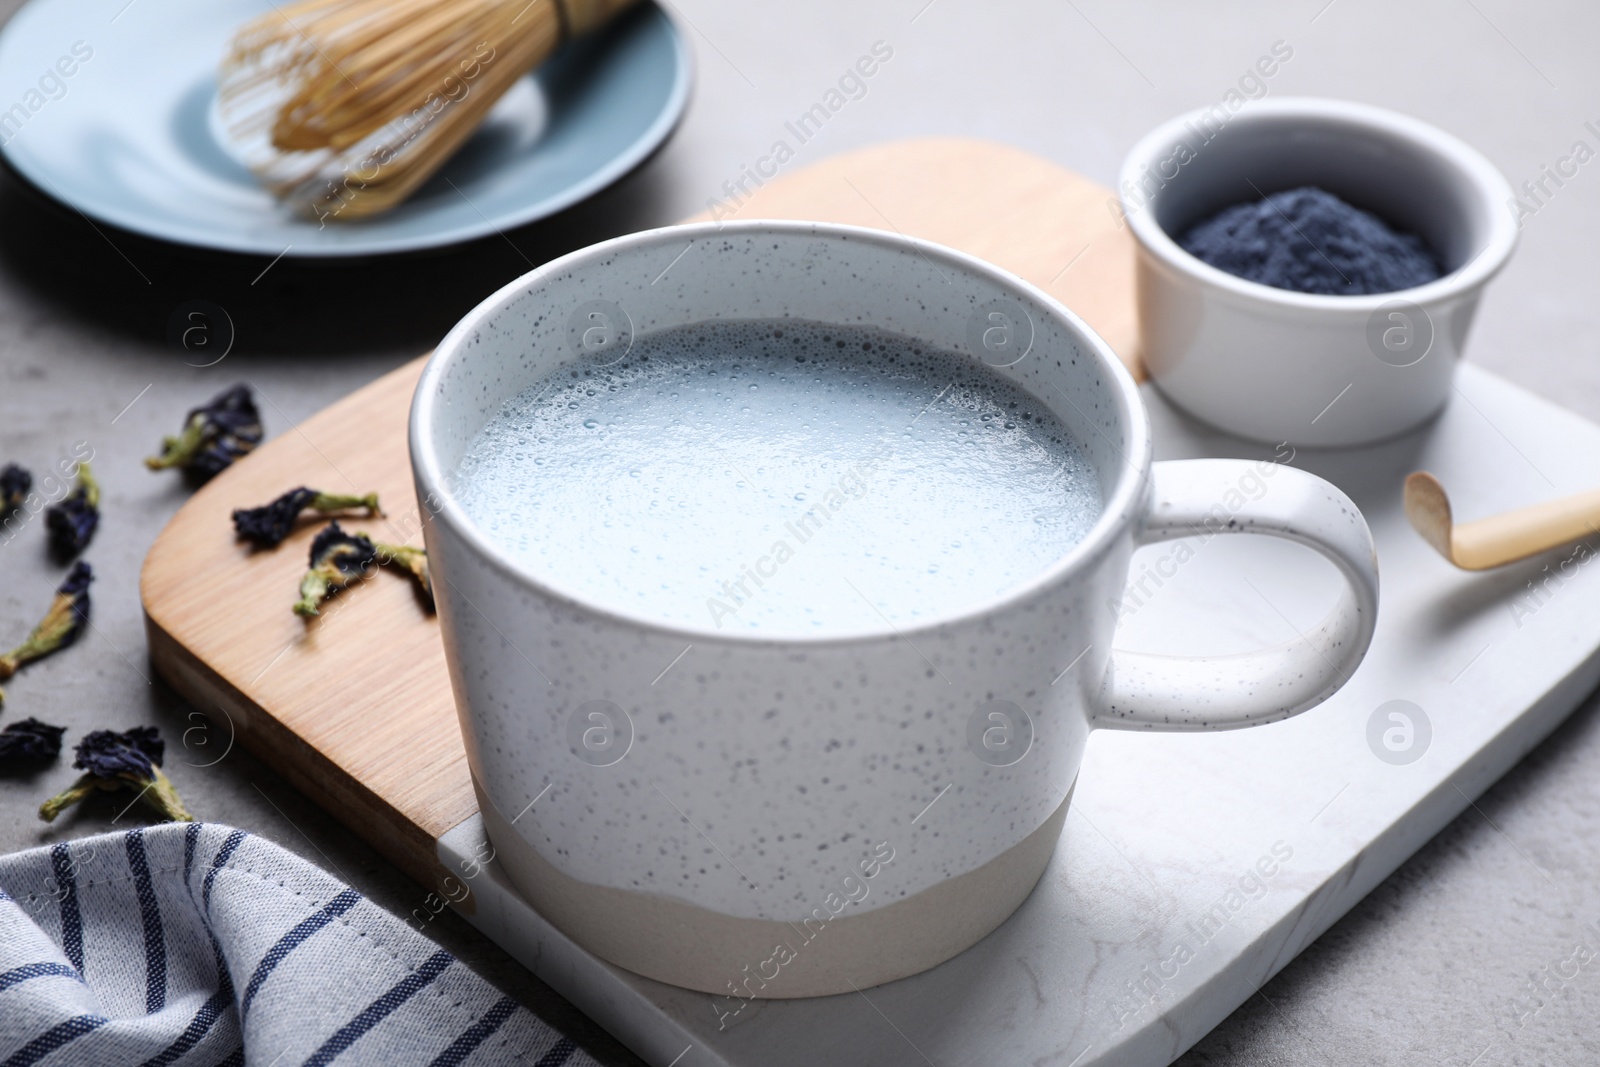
(390,831)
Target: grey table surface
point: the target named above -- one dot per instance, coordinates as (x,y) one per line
(1434,966)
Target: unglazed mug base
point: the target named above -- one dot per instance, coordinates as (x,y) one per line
(681,944)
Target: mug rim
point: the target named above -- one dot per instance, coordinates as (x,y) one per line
(1121,508)
(1490,186)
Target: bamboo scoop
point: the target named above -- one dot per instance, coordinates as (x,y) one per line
(343,108)
(1500,539)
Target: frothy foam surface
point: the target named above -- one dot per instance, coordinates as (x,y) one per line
(785,477)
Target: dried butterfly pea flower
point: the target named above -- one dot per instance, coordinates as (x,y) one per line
(337,559)
(412,559)
(214,435)
(14,485)
(106,753)
(129,760)
(73,520)
(29,742)
(65,619)
(269,524)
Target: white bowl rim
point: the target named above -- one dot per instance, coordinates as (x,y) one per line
(1493,189)
(1124,506)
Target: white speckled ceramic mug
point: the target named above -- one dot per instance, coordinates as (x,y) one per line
(794,817)
(1310,368)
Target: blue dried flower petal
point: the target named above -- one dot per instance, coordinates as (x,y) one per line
(214,435)
(350,554)
(15,482)
(337,559)
(72,521)
(71,524)
(107,754)
(269,524)
(76,585)
(28,742)
(218,454)
(235,430)
(73,592)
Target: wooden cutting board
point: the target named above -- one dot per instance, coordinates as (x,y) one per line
(354,708)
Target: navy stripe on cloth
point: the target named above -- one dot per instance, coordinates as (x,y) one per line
(155,940)
(191,838)
(18,975)
(71,920)
(56,1037)
(557,1056)
(198,1027)
(475,1035)
(379,1009)
(191,843)
(224,854)
(292,940)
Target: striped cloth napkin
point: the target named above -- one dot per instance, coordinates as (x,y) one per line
(197,944)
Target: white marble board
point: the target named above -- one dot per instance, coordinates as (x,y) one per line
(1155,920)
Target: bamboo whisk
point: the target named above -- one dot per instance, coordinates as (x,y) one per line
(344,107)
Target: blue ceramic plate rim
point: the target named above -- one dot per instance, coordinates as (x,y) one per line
(359,240)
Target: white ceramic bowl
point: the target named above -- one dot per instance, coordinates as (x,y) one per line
(765,815)
(1310,369)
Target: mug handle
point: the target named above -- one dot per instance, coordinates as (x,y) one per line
(1151,692)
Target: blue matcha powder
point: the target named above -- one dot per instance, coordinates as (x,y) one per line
(1310,241)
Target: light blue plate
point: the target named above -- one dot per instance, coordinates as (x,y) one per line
(129,136)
